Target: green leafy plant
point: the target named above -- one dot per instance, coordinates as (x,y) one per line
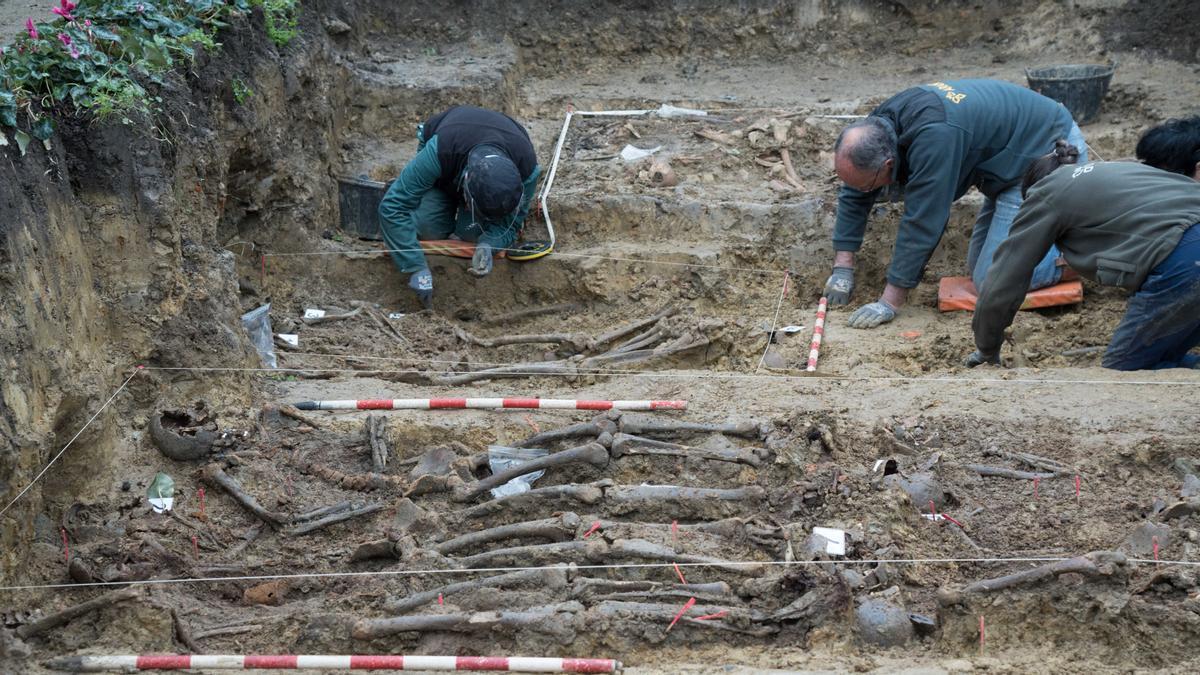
(241,91)
(280,16)
(99,57)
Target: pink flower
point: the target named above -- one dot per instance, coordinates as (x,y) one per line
(68,5)
(141,8)
(87,22)
(33,34)
(74,52)
(65,39)
(64,13)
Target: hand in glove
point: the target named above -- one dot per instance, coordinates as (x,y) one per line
(870,316)
(840,285)
(421,282)
(977,358)
(481,262)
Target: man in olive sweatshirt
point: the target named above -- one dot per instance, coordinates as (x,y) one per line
(933,143)
(1120,224)
(473,179)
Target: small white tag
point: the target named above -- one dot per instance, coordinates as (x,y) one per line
(395,315)
(792,329)
(835,539)
(933,516)
(161,504)
(878,463)
(314,313)
(290,338)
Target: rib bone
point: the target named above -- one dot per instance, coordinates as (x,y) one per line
(560,528)
(547,577)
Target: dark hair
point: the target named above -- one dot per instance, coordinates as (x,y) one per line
(1172,146)
(1064,153)
(876,145)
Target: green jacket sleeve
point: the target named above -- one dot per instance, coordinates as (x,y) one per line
(1034,231)
(934,159)
(851,224)
(504,236)
(399,203)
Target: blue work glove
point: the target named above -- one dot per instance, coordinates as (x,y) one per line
(870,316)
(839,286)
(421,282)
(481,262)
(978,358)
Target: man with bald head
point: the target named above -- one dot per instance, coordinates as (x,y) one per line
(928,145)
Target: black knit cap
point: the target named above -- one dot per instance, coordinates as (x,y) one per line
(493,185)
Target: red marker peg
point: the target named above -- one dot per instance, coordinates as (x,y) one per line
(686,606)
(981,634)
(532,425)
(202,504)
(1076,489)
(933,510)
(195,547)
(1035,488)
(67,547)
(718,615)
(947,517)
(1155,540)
(263,273)
(439,599)
(674,532)
(595,526)
(680,573)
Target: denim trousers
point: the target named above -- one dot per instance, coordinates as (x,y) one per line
(994,222)
(1162,321)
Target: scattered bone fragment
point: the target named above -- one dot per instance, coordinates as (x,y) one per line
(591,453)
(544,578)
(56,619)
(212,473)
(559,528)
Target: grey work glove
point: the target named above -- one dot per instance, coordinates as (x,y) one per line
(840,285)
(481,262)
(421,282)
(870,316)
(978,358)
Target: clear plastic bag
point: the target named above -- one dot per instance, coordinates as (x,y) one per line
(501,458)
(257,323)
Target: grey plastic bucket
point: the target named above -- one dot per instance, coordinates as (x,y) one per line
(1080,88)
(358,204)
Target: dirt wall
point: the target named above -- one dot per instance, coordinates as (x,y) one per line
(113,253)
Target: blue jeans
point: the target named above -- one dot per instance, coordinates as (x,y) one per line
(1162,321)
(994,222)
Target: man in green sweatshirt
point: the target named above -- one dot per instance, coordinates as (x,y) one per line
(473,179)
(1117,223)
(933,143)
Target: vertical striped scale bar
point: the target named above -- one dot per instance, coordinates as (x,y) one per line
(512,664)
(814,350)
(487,404)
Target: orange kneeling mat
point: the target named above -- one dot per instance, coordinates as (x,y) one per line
(455,248)
(955,293)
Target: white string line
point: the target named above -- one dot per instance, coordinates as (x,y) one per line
(774,320)
(710,375)
(64,448)
(556,254)
(610,566)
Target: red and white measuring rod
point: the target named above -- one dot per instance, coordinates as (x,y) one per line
(487,404)
(512,664)
(814,351)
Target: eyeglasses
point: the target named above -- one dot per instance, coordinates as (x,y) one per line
(875,179)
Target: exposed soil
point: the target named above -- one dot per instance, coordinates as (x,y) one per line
(141,252)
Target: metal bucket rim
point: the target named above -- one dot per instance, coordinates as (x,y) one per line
(1106,70)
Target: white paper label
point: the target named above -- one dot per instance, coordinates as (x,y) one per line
(835,539)
(290,338)
(314,313)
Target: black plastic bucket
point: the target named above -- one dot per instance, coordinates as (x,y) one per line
(358,203)
(1079,87)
